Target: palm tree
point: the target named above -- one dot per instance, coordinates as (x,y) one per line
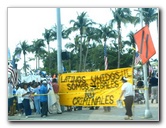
(48,37)
(74,48)
(38,48)
(24,47)
(106,32)
(92,34)
(149,15)
(65,32)
(81,24)
(121,15)
(131,43)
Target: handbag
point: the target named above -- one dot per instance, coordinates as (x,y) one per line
(31,104)
(119,104)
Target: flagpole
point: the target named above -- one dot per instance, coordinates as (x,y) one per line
(148,113)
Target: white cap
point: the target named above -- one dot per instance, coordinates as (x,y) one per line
(124,78)
(44,82)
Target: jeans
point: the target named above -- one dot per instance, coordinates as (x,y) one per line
(27,109)
(37,106)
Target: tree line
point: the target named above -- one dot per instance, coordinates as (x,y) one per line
(86,46)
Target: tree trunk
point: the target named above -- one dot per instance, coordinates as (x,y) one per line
(49,58)
(36,62)
(133,63)
(25,66)
(86,54)
(80,65)
(119,47)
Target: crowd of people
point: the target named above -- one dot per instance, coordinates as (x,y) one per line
(33,97)
(41,97)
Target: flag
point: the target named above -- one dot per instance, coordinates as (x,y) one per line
(12,69)
(137,58)
(150,69)
(105,57)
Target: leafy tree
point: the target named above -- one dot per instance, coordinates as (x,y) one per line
(48,37)
(81,24)
(131,43)
(121,15)
(106,33)
(74,47)
(38,48)
(92,35)
(24,48)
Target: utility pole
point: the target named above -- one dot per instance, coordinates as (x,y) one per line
(148,113)
(59,43)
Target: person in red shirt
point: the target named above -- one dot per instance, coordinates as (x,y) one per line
(56,90)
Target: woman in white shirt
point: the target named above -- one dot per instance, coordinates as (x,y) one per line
(19,99)
(128,94)
(26,100)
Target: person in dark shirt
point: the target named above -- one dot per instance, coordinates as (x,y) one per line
(140,83)
(153,84)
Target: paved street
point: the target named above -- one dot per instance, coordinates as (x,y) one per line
(116,114)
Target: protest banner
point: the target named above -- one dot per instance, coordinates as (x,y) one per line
(101,88)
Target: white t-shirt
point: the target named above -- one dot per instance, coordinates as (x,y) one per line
(27,95)
(19,93)
(10,90)
(128,89)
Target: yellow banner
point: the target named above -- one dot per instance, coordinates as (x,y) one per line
(101,88)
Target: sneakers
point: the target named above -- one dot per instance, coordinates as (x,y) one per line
(44,116)
(26,117)
(128,118)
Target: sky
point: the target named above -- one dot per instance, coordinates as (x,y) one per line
(29,23)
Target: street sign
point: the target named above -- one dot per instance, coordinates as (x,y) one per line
(144,43)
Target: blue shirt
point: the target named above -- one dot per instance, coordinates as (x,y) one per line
(43,90)
(37,92)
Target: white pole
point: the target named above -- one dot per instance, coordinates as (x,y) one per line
(59,46)
(148,113)
(59,42)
